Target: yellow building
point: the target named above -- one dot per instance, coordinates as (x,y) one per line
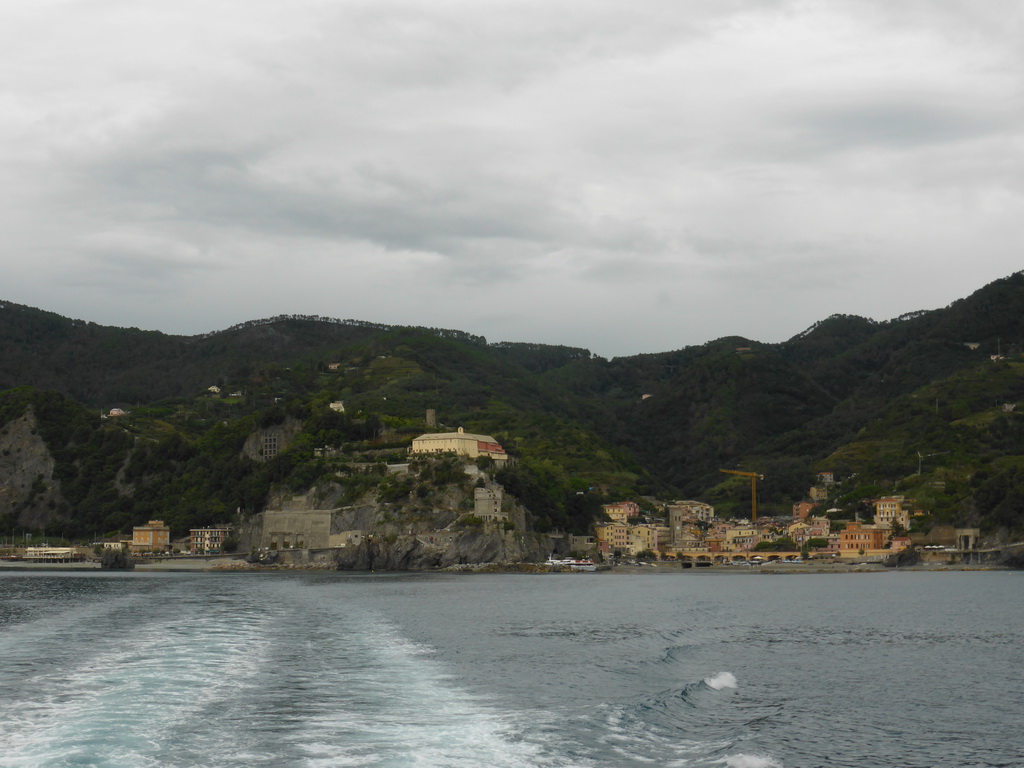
(740,539)
(797,531)
(154,536)
(818,493)
(889,509)
(643,538)
(612,538)
(460,443)
(621,511)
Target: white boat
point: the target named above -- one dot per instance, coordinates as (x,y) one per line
(572,564)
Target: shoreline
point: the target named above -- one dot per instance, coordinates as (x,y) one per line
(805,568)
(239,565)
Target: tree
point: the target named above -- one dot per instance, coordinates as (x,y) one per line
(897,530)
(781,544)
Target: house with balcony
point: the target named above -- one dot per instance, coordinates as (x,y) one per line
(208,541)
(890,509)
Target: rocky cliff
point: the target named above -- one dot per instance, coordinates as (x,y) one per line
(418,553)
(405,523)
(29,493)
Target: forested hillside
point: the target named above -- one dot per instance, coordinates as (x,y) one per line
(924,405)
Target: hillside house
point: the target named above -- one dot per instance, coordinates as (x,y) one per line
(818,493)
(621,511)
(803,509)
(690,511)
(889,509)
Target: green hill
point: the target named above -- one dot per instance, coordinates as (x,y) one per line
(869,400)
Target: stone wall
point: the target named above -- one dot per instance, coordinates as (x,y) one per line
(280,529)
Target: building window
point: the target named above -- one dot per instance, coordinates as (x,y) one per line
(269,446)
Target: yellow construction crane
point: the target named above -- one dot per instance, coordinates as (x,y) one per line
(754,477)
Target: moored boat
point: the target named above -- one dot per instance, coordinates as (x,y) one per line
(572,563)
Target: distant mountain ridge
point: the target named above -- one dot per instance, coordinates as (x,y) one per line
(98,365)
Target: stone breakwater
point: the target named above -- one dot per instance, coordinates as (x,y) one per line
(512,568)
(241,565)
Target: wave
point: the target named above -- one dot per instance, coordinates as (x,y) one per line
(257,672)
(695,725)
(749,761)
(271,675)
(720,681)
(123,700)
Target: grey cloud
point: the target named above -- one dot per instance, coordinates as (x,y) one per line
(498,224)
(139,261)
(891,125)
(727,154)
(384,206)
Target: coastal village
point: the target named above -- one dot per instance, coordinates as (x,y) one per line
(684,531)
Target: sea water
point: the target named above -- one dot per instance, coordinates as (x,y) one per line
(132,670)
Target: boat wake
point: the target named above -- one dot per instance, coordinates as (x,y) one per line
(704,724)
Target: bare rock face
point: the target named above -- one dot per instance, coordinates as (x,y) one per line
(412,553)
(116,559)
(422,527)
(28,491)
(1014,559)
(903,559)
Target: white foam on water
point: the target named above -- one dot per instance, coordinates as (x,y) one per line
(750,761)
(721,680)
(118,706)
(419,716)
(626,732)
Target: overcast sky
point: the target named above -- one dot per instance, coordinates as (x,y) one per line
(627,177)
